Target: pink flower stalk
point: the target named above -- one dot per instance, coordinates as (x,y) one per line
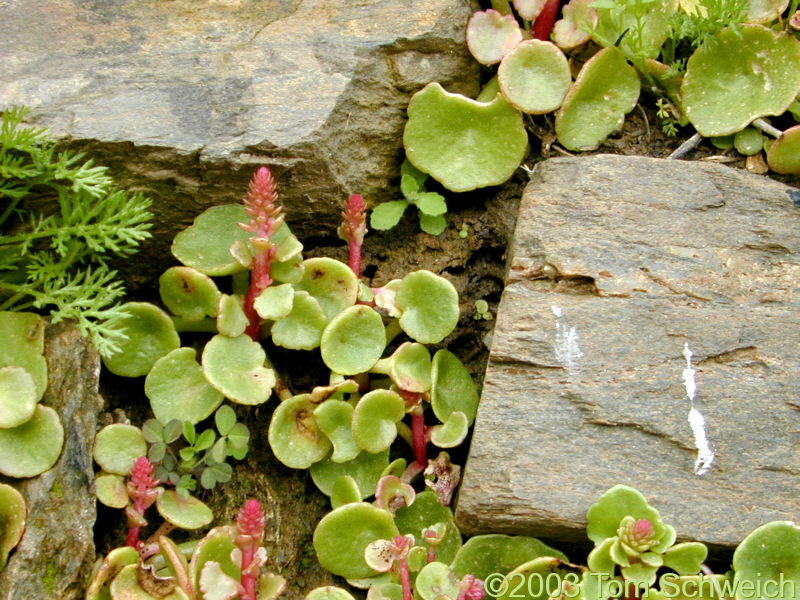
(471,588)
(543,25)
(353,229)
(143,492)
(250,532)
(261,203)
(401,546)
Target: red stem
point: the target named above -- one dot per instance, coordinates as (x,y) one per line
(418,431)
(260,280)
(248,580)
(543,25)
(405,579)
(133,536)
(354,258)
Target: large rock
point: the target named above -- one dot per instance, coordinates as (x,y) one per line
(185,99)
(621,267)
(56,553)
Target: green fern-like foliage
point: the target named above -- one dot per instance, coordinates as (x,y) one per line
(56,258)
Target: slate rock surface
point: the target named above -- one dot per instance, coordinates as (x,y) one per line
(185,99)
(624,273)
(56,553)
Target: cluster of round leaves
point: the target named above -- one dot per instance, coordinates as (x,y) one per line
(31,434)
(731,81)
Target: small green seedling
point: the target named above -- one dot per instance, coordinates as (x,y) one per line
(482,312)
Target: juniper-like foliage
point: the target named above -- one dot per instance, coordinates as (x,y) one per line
(55,257)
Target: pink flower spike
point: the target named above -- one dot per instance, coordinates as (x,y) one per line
(353,229)
(143,492)
(250,525)
(261,203)
(250,520)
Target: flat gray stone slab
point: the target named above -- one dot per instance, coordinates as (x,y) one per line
(619,266)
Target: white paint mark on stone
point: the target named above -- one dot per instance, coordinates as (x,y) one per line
(568,352)
(705,455)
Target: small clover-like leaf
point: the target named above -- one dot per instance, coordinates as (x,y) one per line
(535,77)
(12,518)
(178,389)
(453,388)
(332,283)
(432,225)
(335,419)
(151,335)
(342,536)
(387,214)
(188,293)
(225,419)
(275,302)
(366,469)
(490,36)
(605,90)
(117,446)
(235,367)
(205,245)
(186,513)
(462,143)
(721,99)
(354,341)
(18,396)
(302,328)
(429,305)
(294,434)
(375,418)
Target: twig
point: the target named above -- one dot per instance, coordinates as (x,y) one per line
(646,121)
(767,128)
(686,147)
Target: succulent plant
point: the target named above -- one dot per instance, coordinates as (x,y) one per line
(769,553)
(783,155)
(629,533)
(534,77)
(720,100)
(13,513)
(462,143)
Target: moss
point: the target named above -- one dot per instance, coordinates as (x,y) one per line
(49,577)
(57,490)
(308,557)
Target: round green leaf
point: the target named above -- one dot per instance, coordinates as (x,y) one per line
(575,27)
(686,558)
(483,555)
(275,302)
(186,513)
(620,501)
(235,367)
(353,341)
(302,328)
(739,77)
(387,214)
(425,512)
(452,432)
(345,491)
(294,434)
(748,141)
(783,155)
(429,306)
(17,396)
(462,143)
(453,388)
(216,546)
(188,293)
(343,534)
(23,343)
(290,271)
(430,203)
(605,90)
(335,419)
(329,592)
(769,553)
(366,469)
(117,446)
(12,520)
(375,418)
(151,335)
(225,419)
(206,244)
(332,283)
(490,36)
(432,225)
(33,447)
(177,388)
(436,579)
(535,77)
(110,490)
(411,368)
(231,320)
